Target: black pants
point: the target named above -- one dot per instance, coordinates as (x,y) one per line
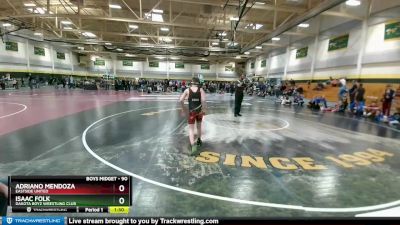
(238,102)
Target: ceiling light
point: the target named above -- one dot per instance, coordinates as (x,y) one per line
(37,34)
(129,55)
(353,3)
(174,58)
(6,24)
(81,48)
(119,49)
(233,44)
(158,11)
(234,18)
(164,29)
(276,39)
(107,43)
(66,22)
(114,6)
(160,57)
(223,34)
(259,47)
(303,25)
(215,43)
(257,26)
(40,10)
(155,17)
(29,4)
(144,39)
(225,39)
(253,26)
(247,53)
(133,26)
(238,57)
(260,3)
(89,34)
(67,28)
(166,39)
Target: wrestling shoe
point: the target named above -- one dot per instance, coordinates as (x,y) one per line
(199,142)
(194,150)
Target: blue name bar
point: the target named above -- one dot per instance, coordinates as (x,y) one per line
(33,220)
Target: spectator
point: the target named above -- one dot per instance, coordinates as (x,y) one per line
(232,88)
(387,101)
(359,99)
(64,83)
(352,96)
(342,90)
(315,102)
(334,83)
(372,110)
(286,100)
(292,83)
(14,83)
(397,100)
(70,82)
(30,81)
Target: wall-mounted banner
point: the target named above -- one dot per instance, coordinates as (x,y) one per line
(392,31)
(338,42)
(39,51)
(229,68)
(153,64)
(127,63)
(61,55)
(99,62)
(12,46)
(205,66)
(252,65)
(301,52)
(264,63)
(179,65)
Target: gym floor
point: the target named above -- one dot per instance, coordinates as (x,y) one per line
(274,161)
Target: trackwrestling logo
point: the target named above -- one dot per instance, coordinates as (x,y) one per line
(34,220)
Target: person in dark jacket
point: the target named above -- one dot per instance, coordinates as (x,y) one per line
(240,86)
(359,99)
(352,96)
(388,97)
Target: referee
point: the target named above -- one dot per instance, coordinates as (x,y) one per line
(240,85)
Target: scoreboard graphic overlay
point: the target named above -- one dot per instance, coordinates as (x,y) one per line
(70,194)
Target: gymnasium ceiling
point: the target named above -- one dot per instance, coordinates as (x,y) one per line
(184,29)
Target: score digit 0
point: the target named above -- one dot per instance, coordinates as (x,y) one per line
(121,200)
(121,188)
